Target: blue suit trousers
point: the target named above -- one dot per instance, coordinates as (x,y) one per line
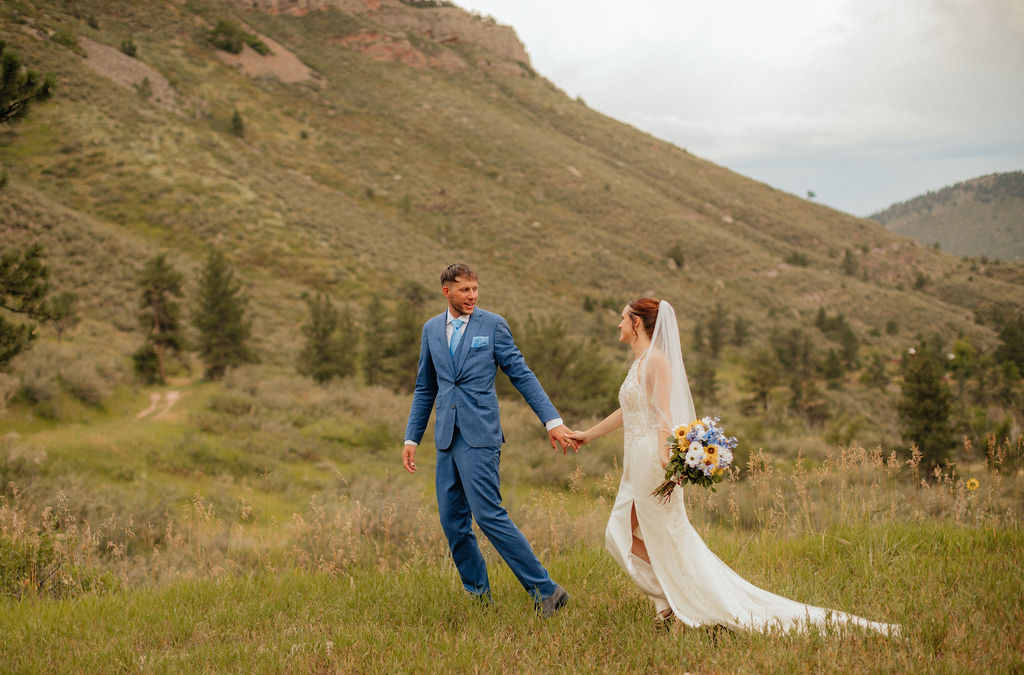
(468,489)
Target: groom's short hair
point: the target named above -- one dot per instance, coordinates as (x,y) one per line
(457,270)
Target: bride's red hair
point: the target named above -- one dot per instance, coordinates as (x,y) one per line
(645,309)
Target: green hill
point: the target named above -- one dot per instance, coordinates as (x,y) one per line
(979,217)
(377,145)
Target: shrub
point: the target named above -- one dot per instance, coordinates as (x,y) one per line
(798,259)
(38,382)
(46,560)
(64,36)
(50,369)
(232,403)
(146,365)
(8,388)
(677,254)
(129,47)
(231,37)
(237,125)
(144,89)
(80,379)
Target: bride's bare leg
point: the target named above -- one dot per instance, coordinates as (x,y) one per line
(649,584)
(638,548)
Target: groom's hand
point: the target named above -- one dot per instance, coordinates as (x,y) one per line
(558,436)
(408,458)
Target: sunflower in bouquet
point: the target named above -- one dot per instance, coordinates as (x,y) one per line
(699,453)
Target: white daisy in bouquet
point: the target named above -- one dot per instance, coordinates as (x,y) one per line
(699,453)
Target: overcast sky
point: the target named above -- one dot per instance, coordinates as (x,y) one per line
(863,102)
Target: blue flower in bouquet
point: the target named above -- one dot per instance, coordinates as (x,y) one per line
(697,432)
(699,453)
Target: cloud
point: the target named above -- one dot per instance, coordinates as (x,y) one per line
(797,84)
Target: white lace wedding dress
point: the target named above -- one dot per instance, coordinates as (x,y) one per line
(684,573)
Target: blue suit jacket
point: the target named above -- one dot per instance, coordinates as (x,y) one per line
(461,389)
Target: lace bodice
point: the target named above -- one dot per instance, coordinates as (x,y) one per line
(638,424)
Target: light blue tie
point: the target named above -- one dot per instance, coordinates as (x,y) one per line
(456,336)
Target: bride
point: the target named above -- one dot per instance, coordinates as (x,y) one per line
(655,543)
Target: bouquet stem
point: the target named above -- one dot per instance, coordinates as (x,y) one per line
(664,491)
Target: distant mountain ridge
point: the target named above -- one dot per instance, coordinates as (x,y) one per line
(979,217)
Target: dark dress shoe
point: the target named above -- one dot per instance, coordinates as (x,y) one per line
(554,602)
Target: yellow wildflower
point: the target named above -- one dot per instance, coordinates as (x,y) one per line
(972,484)
(681,430)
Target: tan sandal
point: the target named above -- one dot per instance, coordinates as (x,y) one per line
(664,619)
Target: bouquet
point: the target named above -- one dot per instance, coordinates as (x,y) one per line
(699,453)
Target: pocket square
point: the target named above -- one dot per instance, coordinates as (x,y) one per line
(480,341)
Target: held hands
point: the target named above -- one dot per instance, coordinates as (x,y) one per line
(561,435)
(579,436)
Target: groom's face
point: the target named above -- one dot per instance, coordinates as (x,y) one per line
(461,295)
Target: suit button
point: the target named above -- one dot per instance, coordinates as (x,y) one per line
(453,407)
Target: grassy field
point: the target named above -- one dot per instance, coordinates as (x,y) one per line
(954,589)
(230,535)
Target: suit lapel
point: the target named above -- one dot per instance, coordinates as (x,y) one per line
(472,329)
(439,339)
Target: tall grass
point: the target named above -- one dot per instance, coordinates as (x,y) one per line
(366,585)
(383,524)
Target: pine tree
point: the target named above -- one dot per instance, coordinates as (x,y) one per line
(698,336)
(19,88)
(832,369)
(849,347)
(762,375)
(740,331)
(331,341)
(64,312)
(23,289)
(237,125)
(577,377)
(964,364)
(704,380)
(159,283)
(874,374)
(849,263)
(400,329)
(219,316)
(1011,340)
(716,330)
(925,406)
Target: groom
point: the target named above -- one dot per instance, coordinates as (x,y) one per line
(460,352)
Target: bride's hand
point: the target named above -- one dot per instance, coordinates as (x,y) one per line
(579,436)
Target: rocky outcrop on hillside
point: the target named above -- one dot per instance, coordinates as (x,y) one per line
(445,25)
(396,47)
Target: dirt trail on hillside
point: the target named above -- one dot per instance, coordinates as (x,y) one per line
(159,404)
